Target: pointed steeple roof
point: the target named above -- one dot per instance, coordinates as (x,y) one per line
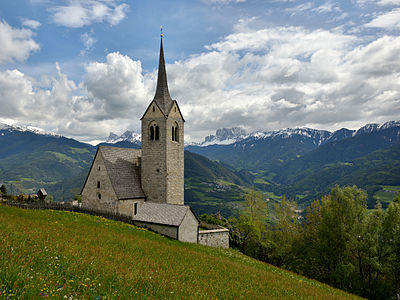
(162,97)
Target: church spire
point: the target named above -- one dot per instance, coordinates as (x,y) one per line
(162,96)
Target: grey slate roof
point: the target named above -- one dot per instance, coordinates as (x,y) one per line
(161,213)
(123,172)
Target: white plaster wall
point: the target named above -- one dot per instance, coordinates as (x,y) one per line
(189,228)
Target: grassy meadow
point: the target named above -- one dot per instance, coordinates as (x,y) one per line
(64,255)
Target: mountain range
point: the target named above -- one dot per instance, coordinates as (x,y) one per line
(302,163)
(31,159)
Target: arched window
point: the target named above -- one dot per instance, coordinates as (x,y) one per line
(154,131)
(175,132)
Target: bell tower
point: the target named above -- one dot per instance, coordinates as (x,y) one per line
(162,165)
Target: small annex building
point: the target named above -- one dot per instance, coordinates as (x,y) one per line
(147,184)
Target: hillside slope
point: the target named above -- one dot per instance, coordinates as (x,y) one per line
(29,161)
(45,254)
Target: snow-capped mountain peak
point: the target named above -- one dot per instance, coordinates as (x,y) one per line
(128,135)
(33,129)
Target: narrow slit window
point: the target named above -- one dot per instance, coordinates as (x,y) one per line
(135,208)
(154,109)
(176,134)
(152,133)
(98,184)
(157,133)
(173,133)
(99,195)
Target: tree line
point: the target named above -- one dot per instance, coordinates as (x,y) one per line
(337,240)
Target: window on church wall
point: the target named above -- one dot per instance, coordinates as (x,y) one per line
(99,195)
(175,133)
(152,133)
(98,184)
(135,207)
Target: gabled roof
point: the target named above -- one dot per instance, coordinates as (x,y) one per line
(124,174)
(162,213)
(42,191)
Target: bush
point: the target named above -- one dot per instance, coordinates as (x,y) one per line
(3,190)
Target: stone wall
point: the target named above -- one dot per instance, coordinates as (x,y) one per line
(162,162)
(175,159)
(126,207)
(214,237)
(166,230)
(153,164)
(90,193)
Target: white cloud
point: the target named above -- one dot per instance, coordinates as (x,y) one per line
(327,7)
(79,13)
(16,44)
(388,20)
(267,78)
(299,8)
(31,23)
(389,2)
(88,41)
(224,2)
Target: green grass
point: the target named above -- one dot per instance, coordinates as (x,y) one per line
(387,194)
(62,157)
(78,150)
(61,255)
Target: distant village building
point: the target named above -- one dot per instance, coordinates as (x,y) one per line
(148,184)
(41,194)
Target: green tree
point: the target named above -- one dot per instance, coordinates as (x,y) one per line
(251,223)
(341,225)
(286,232)
(391,237)
(3,189)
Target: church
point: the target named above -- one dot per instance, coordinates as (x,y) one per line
(148,184)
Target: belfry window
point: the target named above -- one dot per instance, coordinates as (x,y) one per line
(157,133)
(175,133)
(154,132)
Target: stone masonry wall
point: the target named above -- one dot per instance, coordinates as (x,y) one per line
(175,159)
(90,192)
(125,207)
(153,169)
(214,238)
(162,160)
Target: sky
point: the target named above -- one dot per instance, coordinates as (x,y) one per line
(85,68)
